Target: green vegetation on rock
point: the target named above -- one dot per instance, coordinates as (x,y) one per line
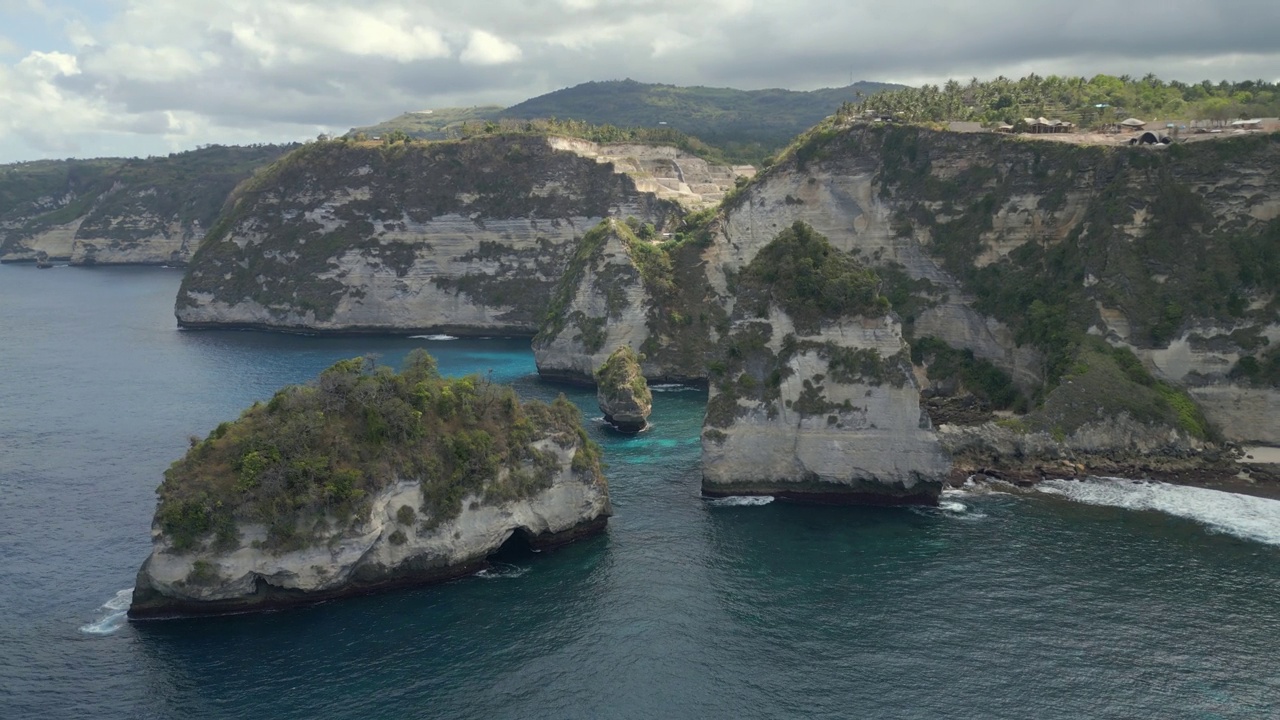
(1183,263)
(812,281)
(620,379)
(124,199)
(979,377)
(681,316)
(307,463)
(1103,382)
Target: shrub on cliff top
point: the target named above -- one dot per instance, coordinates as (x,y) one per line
(813,281)
(312,458)
(622,372)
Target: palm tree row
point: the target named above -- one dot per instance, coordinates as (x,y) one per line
(1088,102)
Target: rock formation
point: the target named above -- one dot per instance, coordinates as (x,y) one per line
(1013,249)
(813,397)
(362,481)
(469,236)
(120,212)
(622,392)
(621,287)
(1002,261)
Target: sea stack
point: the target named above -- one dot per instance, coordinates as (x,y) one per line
(361,481)
(813,397)
(622,392)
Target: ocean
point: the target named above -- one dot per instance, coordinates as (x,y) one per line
(1105,599)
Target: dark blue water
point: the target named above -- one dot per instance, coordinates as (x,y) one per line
(997,606)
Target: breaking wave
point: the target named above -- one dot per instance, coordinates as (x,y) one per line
(115,616)
(1242,516)
(433,337)
(671,387)
(740,501)
(499,571)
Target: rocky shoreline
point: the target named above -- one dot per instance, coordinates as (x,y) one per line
(1221,473)
(150,604)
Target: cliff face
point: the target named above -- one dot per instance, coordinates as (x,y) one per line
(365,480)
(829,416)
(115,211)
(461,236)
(1014,249)
(813,394)
(620,289)
(379,553)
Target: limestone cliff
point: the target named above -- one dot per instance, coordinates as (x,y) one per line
(1014,249)
(114,211)
(622,289)
(466,236)
(813,396)
(362,481)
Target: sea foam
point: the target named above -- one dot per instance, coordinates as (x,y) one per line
(740,501)
(499,571)
(114,618)
(433,337)
(1243,516)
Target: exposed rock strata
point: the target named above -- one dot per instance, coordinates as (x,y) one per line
(975,223)
(815,397)
(468,235)
(122,212)
(830,433)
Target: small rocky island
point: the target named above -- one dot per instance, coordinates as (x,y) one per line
(363,480)
(622,392)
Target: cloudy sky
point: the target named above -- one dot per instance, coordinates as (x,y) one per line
(135,77)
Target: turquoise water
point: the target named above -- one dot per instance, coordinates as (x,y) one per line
(993,606)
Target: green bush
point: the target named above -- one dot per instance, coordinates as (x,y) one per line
(309,461)
(801,272)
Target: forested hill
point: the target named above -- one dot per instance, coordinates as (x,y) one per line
(743,122)
(48,205)
(747,124)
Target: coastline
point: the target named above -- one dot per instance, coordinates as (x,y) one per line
(1258,476)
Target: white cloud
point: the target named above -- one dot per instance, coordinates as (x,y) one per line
(7,46)
(161,64)
(485,48)
(160,72)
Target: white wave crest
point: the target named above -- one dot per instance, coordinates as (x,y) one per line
(114,618)
(670,387)
(499,571)
(740,501)
(1242,516)
(432,337)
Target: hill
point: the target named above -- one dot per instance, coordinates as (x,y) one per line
(437,124)
(747,124)
(117,210)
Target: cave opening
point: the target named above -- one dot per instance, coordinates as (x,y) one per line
(518,547)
